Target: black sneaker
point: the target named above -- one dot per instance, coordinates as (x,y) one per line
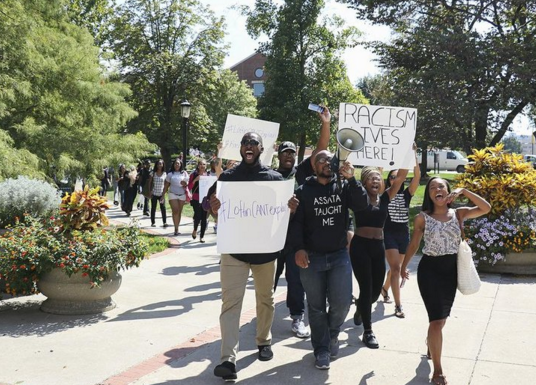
(370,340)
(226,370)
(265,353)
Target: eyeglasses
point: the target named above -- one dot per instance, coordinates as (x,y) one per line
(323,160)
(249,142)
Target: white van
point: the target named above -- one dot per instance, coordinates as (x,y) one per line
(448,160)
(531,159)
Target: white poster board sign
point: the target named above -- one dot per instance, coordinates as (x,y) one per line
(254,216)
(205,182)
(235,128)
(388,132)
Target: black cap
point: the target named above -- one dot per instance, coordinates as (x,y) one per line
(146,161)
(286,146)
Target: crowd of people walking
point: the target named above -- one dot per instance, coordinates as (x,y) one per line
(338,225)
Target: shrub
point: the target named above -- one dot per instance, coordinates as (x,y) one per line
(492,239)
(505,180)
(72,242)
(23,195)
(509,184)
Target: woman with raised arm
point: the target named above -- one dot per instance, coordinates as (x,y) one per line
(437,274)
(367,251)
(396,233)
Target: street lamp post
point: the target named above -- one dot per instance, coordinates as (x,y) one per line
(185,113)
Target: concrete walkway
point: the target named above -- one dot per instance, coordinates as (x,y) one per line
(165,330)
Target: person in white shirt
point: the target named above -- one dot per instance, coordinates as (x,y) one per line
(176,185)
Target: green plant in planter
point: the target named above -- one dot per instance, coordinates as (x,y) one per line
(509,184)
(74,241)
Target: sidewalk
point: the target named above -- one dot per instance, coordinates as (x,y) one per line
(165,331)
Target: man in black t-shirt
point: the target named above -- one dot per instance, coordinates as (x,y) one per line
(318,234)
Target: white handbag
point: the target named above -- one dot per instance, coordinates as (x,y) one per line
(468,279)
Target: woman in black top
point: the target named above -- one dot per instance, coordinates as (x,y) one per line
(367,251)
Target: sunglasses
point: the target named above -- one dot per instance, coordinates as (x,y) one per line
(323,160)
(392,176)
(249,142)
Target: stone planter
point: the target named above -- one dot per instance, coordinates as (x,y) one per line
(515,263)
(74,296)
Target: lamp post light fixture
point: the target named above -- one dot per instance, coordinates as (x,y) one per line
(185,113)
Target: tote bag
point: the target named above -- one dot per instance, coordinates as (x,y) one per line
(468,279)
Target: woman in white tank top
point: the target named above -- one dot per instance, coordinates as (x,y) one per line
(437,275)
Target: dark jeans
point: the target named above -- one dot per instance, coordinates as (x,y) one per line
(154,200)
(329,276)
(295,291)
(368,263)
(200,216)
(146,204)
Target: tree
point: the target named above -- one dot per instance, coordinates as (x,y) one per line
(512,145)
(303,64)
(57,109)
(466,66)
(170,51)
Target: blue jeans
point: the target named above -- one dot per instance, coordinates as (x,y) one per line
(329,276)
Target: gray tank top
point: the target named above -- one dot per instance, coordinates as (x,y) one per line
(441,238)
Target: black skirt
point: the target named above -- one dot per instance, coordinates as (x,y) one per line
(438,279)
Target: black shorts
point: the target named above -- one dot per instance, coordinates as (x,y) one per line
(396,240)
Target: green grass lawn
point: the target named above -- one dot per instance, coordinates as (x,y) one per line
(156,243)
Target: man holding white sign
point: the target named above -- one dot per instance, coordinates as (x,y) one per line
(235,268)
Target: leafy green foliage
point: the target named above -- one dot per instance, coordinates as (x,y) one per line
(466,66)
(57,107)
(169,51)
(303,64)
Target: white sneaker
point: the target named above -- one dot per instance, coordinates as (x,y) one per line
(300,329)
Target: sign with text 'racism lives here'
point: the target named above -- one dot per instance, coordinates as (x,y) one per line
(388,133)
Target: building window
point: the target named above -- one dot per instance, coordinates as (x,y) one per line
(258,89)
(259,72)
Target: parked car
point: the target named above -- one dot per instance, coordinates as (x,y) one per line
(446,160)
(531,159)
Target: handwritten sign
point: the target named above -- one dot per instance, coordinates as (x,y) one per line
(205,182)
(253,217)
(388,132)
(237,126)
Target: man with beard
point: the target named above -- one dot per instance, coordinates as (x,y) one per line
(235,270)
(287,159)
(318,234)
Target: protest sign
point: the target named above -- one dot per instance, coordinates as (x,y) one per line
(237,126)
(205,182)
(253,217)
(388,133)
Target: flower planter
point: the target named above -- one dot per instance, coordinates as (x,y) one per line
(515,263)
(74,296)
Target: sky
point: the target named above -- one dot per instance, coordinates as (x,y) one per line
(359,61)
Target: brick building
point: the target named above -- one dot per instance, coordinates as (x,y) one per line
(251,69)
